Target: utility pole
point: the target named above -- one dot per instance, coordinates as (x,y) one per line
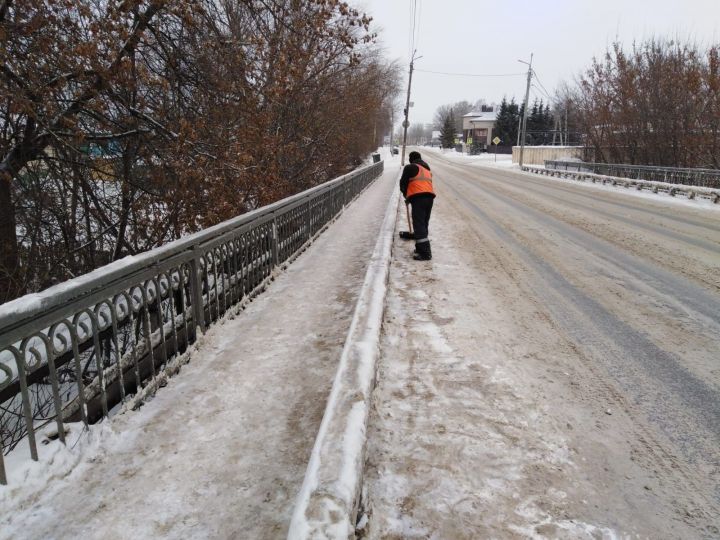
(525,111)
(406,123)
(519,128)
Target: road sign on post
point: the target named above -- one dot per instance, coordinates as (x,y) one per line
(496,141)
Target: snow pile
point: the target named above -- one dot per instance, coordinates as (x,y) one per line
(326,504)
(55,460)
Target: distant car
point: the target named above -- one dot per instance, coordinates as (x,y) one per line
(395,150)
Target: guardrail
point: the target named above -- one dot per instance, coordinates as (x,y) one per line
(690,192)
(76,350)
(670,175)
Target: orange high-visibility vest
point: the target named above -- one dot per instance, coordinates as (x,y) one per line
(421,182)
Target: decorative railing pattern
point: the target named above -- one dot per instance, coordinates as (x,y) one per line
(690,177)
(75,351)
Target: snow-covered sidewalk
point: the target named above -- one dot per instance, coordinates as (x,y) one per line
(222,450)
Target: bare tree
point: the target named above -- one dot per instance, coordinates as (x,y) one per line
(657,104)
(128,124)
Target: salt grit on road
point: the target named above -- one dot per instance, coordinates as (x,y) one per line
(488,419)
(221,451)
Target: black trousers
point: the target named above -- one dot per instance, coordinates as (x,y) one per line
(421,209)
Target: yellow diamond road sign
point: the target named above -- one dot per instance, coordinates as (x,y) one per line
(496,141)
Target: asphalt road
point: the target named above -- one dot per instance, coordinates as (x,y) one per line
(632,282)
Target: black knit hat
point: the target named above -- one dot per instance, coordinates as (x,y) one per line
(414,156)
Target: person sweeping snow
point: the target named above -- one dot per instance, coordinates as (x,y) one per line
(417,188)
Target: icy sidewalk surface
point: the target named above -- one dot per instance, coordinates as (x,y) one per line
(221,451)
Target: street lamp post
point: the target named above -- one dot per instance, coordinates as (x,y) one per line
(406,122)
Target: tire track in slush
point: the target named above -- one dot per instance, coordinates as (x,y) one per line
(603,331)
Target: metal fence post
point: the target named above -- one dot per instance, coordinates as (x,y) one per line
(27,412)
(308,221)
(196,290)
(3,476)
(275,242)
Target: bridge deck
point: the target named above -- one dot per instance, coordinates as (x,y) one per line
(221,451)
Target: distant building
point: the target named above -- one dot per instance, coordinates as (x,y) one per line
(479,126)
(435,141)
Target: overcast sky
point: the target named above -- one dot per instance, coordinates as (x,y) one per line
(481,37)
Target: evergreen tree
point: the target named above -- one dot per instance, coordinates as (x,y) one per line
(537,125)
(534,122)
(506,122)
(513,127)
(549,123)
(447,131)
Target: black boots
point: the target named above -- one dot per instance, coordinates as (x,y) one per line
(422,251)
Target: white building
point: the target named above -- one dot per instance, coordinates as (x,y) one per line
(479,127)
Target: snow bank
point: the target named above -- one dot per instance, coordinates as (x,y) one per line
(326,506)
(691,192)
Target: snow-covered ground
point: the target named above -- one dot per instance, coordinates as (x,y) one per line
(497,413)
(486,158)
(457,447)
(221,451)
(540,377)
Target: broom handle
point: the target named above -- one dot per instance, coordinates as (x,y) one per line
(407,209)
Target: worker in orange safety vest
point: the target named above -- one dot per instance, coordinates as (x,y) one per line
(417,188)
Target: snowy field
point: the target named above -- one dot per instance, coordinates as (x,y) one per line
(221,451)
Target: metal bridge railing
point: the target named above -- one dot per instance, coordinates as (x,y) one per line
(690,177)
(73,352)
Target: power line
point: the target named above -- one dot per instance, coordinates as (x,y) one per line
(413,17)
(542,92)
(470,74)
(410,35)
(419,22)
(542,85)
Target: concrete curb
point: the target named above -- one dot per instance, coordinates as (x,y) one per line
(327,504)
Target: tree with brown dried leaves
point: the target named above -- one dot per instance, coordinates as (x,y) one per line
(125,125)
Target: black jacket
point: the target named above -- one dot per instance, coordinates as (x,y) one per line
(410,171)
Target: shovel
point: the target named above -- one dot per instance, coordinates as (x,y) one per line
(408,235)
